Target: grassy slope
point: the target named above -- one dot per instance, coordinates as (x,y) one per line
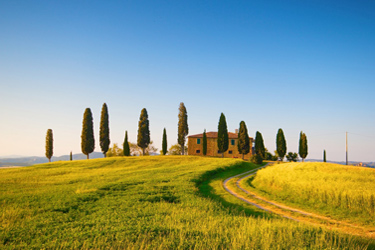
(141,202)
(342,192)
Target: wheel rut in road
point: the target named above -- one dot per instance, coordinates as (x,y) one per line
(288,212)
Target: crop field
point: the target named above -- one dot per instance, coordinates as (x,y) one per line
(160,202)
(342,192)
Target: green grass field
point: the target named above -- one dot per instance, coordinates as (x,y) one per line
(144,203)
(342,192)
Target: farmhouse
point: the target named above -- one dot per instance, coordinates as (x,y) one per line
(195,145)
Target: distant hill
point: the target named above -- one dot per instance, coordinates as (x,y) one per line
(364,164)
(31,160)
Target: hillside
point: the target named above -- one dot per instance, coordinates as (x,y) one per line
(144,203)
(341,192)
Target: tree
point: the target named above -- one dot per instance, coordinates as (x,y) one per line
(164,145)
(176,149)
(204,143)
(292,157)
(259,145)
(71,156)
(136,150)
(324,156)
(222,135)
(243,140)
(143,131)
(280,144)
(115,151)
(126,148)
(49,144)
(183,128)
(104,130)
(302,150)
(87,136)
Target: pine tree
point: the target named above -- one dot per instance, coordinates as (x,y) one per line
(104,130)
(222,135)
(259,145)
(49,144)
(126,147)
(87,136)
(243,140)
(71,156)
(302,150)
(183,128)
(280,144)
(324,156)
(204,143)
(143,139)
(164,144)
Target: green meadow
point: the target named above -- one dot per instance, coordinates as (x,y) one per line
(161,202)
(341,192)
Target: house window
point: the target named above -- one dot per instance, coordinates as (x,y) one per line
(230,152)
(232,142)
(198,140)
(198,151)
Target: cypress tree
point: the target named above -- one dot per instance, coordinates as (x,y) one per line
(104,130)
(87,136)
(49,144)
(183,128)
(259,145)
(324,156)
(204,143)
(143,139)
(164,144)
(126,147)
(280,144)
(302,150)
(243,140)
(222,135)
(71,156)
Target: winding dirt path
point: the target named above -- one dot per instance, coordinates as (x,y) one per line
(288,212)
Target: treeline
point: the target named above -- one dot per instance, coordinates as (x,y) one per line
(144,143)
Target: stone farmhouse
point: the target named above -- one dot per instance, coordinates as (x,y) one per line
(195,145)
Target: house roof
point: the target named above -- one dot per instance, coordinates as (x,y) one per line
(214,135)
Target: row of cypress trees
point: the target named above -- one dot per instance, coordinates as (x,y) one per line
(143,136)
(244,141)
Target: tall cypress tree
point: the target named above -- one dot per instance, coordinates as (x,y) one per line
(222,135)
(259,145)
(143,139)
(243,140)
(324,156)
(104,130)
(87,136)
(204,143)
(126,147)
(183,128)
(164,144)
(280,144)
(71,156)
(302,149)
(49,144)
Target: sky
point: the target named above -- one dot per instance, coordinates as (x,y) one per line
(297,65)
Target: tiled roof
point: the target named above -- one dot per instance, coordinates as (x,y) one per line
(214,135)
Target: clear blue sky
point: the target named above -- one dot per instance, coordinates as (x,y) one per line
(296,65)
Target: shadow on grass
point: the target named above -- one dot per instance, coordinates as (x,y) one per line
(207,191)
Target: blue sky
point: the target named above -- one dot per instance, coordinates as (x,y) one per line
(296,65)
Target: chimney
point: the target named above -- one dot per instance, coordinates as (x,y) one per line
(236,131)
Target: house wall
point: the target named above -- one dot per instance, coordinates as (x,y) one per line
(212,148)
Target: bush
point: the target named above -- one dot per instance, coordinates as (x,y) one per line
(257,159)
